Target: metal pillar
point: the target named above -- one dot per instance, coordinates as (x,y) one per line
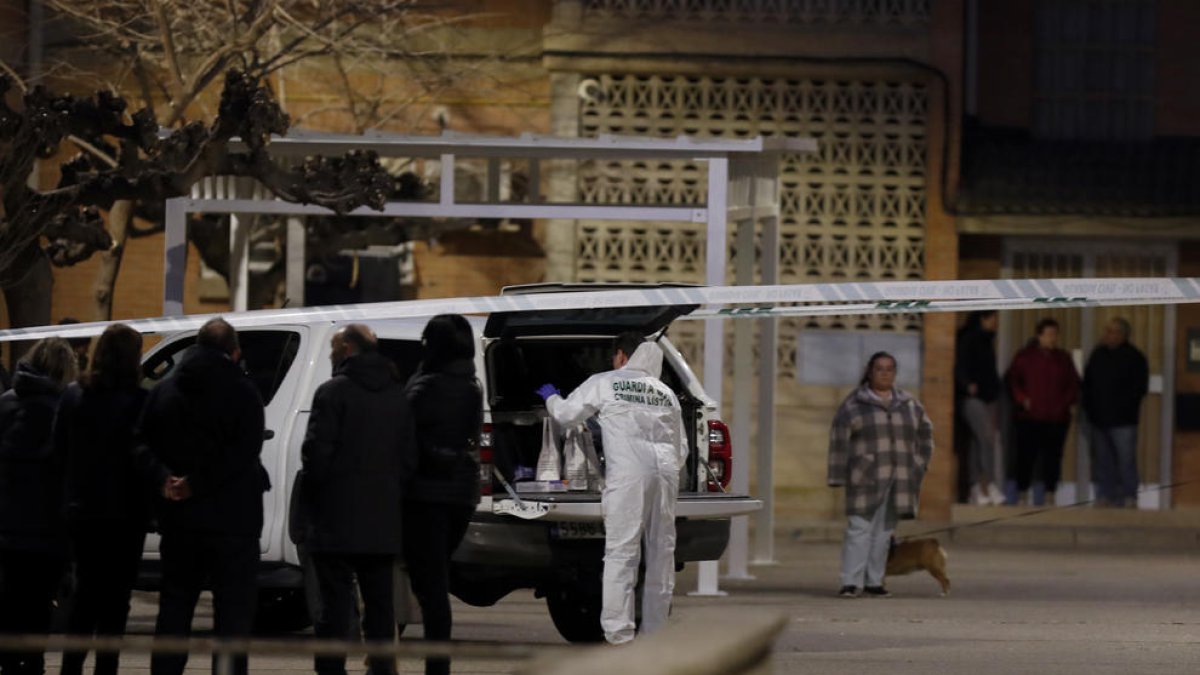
(768,366)
(743,377)
(714,342)
(1167,417)
(446,184)
(295,267)
(239,261)
(174,257)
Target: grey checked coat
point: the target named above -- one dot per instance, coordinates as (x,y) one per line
(873,446)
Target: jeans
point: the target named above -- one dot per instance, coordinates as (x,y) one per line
(1114,463)
(865,548)
(106,555)
(431,534)
(980,418)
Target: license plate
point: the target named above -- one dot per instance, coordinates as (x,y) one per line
(571,530)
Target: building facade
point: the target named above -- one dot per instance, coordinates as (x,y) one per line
(958,139)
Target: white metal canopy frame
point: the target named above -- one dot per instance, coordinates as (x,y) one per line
(743,187)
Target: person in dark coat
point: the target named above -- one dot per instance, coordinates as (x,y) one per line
(1044,386)
(358,453)
(448,404)
(977,389)
(106,504)
(33,544)
(199,443)
(1115,381)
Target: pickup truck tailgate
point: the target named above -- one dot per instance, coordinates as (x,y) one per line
(582,507)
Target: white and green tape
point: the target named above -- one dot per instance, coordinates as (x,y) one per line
(882,297)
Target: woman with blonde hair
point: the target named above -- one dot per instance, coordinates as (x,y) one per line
(33,550)
(106,504)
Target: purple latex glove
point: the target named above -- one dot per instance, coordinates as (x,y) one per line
(547,390)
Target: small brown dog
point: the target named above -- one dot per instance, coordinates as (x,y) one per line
(905,557)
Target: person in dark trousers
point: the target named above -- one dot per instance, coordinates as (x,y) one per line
(358,453)
(199,443)
(106,504)
(1044,385)
(447,403)
(977,390)
(1115,381)
(33,543)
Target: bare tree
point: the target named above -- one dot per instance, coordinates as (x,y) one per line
(171,53)
(126,162)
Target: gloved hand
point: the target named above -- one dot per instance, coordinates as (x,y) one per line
(547,390)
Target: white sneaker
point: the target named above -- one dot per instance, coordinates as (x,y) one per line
(978,498)
(995,495)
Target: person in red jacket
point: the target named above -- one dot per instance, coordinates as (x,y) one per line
(1044,385)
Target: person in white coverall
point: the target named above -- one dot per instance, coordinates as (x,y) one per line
(645,446)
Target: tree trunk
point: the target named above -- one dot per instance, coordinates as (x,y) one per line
(110,262)
(28,300)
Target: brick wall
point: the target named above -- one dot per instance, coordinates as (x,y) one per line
(476,263)
(139,291)
(442,273)
(939,490)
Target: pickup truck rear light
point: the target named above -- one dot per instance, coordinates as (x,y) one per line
(720,455)
(485,460)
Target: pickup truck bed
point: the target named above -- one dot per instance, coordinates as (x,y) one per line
(585,506)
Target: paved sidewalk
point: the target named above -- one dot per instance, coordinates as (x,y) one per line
(1080,527)
(1012,611)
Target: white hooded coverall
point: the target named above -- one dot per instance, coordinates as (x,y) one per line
(645,446)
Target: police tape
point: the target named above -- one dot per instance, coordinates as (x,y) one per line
(736,301)
(921,307)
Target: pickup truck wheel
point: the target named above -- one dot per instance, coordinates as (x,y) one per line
(281,610)
(576,613)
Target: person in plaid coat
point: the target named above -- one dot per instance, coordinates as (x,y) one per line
(879,448)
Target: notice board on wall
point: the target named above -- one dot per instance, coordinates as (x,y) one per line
(838,357)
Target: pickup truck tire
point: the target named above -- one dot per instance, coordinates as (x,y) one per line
(575,610)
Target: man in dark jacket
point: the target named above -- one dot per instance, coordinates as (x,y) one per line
(1114,383)
(199,442)
(358,453)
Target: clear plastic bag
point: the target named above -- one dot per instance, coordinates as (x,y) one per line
(549,463)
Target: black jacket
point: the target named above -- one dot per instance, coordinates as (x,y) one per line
(1114,382)
(93,438)
(31,476)
(975,363)
(205,423)
(358,453)
(448,406)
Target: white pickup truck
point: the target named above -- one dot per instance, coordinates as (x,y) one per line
(555,545)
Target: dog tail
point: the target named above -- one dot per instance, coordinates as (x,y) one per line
(942,552)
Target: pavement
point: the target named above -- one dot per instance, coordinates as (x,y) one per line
(1077,526)
(1014,609)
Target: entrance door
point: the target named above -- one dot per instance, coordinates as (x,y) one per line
(1153,333)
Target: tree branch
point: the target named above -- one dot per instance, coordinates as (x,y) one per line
(169,50)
